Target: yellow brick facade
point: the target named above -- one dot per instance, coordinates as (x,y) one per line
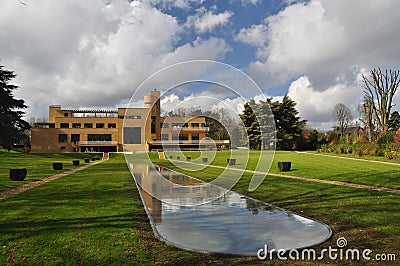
(125,129)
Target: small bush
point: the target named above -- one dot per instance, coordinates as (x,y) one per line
(390,155)
(205,160)
(386,138)
(18,174)
(57,166)
(284,166)
(231,161)
(75,162)
(87,160)
(93,159)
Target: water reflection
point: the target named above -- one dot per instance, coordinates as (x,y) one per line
(182,214)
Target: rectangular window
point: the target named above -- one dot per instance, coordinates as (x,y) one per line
(185,125)
(112,125)
(64,125)
(99,137)
(177,125)
(203,125)
(99,125)
(195,124)
(88,125)
(62,138)
(164,125)
(65,114)
(76,125)
(75,138)
(195,136)
(132,135)
(153,125)
(175,136)
(130,117)
(183,137)
(164,136)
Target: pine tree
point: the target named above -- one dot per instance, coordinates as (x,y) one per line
(12,126)
(288,125)
(251,124)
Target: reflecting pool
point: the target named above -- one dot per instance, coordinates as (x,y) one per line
(191,214)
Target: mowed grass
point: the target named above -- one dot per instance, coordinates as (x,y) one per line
(96,217)
(374,217)
(85,218)
(39,165)
(312,165)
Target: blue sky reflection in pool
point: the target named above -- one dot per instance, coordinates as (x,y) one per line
(231,224)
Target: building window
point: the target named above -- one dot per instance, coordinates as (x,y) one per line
(88,125)
(112,125)
(132,135)
(153,125)
(164,125)
(99,125)
(62,137)
(175,136)
(76,125)
(99,137)
(183,137)
(203,125)
(177,125)
(195,124)
(195,136)
(65,114)
(130,117)
(185,125)
(164,136)
(64,125)
(62,148)
(75,138)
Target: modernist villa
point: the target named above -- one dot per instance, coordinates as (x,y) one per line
(124,129)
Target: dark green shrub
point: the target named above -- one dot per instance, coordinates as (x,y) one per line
(284,166)
(205,160)
(386,138)
(87,160)
(57,166)
(93,159)
(178,157)
(18,174)
(75,162)
(231,161)
(188,158)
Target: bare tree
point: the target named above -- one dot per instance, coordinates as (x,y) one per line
(342,115)
(380,88)
(367,117)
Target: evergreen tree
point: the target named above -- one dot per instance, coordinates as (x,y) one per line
(394,121)
(287,123)
(251,124)
(12,126)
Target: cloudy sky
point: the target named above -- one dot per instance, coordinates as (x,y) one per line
(97,52)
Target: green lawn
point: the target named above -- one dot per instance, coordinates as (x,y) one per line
(314,166)
(39,165)
(95,217)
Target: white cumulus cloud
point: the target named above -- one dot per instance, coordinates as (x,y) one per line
(206,20)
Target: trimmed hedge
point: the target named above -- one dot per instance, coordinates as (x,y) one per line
(205,160)
(231,161)
(57,166)
(18,174)
(75,162)
(87,160)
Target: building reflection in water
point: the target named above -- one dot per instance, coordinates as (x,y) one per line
(195,215)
